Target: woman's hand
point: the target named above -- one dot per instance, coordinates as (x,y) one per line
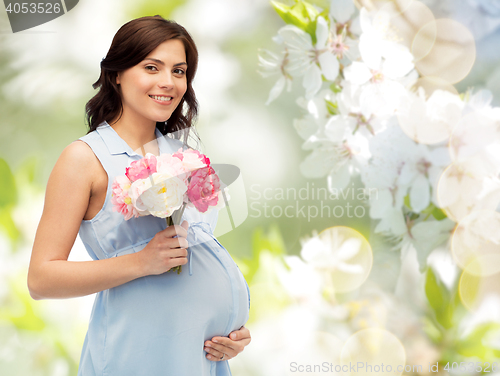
(224,348)
(165,251)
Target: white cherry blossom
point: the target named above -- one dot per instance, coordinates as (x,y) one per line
(429,120)
(304,57)
(422,172)
(271,63)
(385,63)
(390,150)
(331,256)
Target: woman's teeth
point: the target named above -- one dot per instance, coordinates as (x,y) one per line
(164,99)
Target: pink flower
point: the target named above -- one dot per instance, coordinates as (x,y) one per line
(172,165)
(203,188)
(192,159)
(122,203)
(142,168)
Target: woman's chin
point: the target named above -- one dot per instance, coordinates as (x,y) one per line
(161,119)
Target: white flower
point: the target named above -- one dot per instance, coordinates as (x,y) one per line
(390,150)
(326,152)
(352,114)
(313,123)
(160,194)
(421,172)
(429,121)
(304,57)
(301,280)
(337,159)
(332,255)
(341,12)
(336,151)
(379,76)
(379,45)
(272,64)
(425,236)
(386,205)
(477,135)
(467,186)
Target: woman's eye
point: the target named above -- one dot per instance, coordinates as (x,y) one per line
(179,71)
(151,67)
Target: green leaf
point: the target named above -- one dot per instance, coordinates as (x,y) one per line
(325,4)
(439,214)
(8,199)
(431,330)
(9,225)
(332,107)
(427,236)
(407,201)
(302,14)
(310,11)
(472,345)
(150,8)
(312,16)
(19,309)
(26,172)
(285,12)
(281,9)
(459,310)
(335,88)
(439,299)
(435,211)
(272,243)
(276,243)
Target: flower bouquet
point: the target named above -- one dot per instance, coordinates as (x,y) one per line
(163,186)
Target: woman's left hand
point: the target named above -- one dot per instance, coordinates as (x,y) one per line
(224,348)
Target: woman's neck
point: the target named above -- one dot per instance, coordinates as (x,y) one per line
(139,134)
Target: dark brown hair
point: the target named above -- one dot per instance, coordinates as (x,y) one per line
(131,45)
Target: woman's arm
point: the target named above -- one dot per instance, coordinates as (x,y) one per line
(51,275)
(68,192)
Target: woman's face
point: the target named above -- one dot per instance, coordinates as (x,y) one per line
(152,89)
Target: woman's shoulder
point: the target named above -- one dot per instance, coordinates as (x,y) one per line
(78,154)
(75,169)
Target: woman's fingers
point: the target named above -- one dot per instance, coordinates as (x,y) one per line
(180,243)
(216,350)
(240,334)
(177,252)
(215,355)
(230,346)
(176,230)
(185,224)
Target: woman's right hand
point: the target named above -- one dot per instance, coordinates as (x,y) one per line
(165,251)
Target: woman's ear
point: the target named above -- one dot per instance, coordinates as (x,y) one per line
(118,78)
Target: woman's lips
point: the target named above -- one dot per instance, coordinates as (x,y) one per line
(159,101)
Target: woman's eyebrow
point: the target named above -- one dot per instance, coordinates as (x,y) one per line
(162,63)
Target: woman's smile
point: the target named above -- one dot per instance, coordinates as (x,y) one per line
(162,99)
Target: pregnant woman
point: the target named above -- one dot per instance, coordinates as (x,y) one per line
(145,321)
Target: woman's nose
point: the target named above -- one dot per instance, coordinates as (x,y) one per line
(166,81)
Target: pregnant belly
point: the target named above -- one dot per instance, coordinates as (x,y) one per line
(157,324)
(180,308)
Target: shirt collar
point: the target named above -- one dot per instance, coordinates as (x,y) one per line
(117,145)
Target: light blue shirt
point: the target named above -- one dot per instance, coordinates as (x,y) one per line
(157,325)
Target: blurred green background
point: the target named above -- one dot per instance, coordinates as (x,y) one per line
(46,75)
